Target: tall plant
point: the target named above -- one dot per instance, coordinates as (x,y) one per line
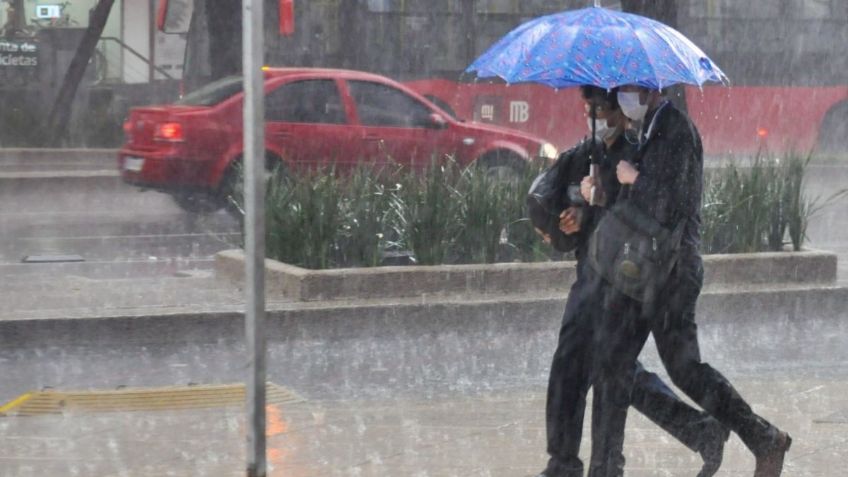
(424,212)
(303,219)
(751,209)
(365,207)
(483,212)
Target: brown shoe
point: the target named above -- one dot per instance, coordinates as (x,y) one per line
(770,462)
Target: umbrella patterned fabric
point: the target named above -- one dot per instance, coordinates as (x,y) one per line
(597,46)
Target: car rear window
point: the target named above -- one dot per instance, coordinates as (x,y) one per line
(213,93)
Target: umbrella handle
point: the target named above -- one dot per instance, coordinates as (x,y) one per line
(593,161)
(592,173)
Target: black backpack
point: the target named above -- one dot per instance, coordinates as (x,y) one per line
(555,189)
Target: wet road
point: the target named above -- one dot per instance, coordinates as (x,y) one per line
(118,230)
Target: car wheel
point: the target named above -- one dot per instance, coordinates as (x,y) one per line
(197,202)
(833,135)
(230,191)
(503,166)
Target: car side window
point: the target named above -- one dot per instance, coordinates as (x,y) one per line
(308,101)
(381,105)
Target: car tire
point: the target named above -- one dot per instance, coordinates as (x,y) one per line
(197,202)
(504,166)
(833,134)
(230,183)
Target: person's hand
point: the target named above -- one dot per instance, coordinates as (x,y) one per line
(586,186)
(626,173)
(569,220)
(545,237)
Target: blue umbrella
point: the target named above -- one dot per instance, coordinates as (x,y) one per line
(597,46)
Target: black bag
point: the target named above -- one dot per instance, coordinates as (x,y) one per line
(634,252)
(550,194)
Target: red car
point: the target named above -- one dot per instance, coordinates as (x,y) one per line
(313,117)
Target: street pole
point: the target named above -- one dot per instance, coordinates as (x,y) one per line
(254,232)
(151,41)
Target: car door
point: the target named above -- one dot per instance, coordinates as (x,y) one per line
(395,126)
(307,122)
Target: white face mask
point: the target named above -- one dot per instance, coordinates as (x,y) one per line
(629,102)
(602,129)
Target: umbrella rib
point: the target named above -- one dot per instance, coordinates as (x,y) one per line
(647,55)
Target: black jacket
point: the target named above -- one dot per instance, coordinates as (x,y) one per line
(671,168)
(578,160)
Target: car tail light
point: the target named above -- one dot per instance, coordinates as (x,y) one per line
(169,132)
(128,130)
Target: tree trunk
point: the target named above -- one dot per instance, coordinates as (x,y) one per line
(60,114)
(225,51)
(469,26)
(664,11)
(350,28)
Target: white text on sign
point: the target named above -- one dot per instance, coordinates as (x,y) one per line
(519,111)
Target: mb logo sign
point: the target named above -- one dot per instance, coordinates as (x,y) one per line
(519,111)
(493,109)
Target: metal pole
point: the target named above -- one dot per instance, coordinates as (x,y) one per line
(151,41)
(254,232)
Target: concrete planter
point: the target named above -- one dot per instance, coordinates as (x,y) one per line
(300,284)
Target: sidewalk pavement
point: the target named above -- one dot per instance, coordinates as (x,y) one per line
(453,436)
(493,434)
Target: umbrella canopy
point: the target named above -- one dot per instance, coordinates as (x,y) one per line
(597,46)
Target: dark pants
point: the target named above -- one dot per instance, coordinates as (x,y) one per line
(571,377)
(619,338)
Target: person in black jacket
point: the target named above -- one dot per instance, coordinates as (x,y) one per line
(666,181)
(570,377)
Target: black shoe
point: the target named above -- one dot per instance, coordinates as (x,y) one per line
(712,447)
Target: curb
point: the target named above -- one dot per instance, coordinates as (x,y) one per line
(35,165)
(715,304)
(54,175)
(29,155)
(787,269)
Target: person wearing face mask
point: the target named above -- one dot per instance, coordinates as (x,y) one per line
(570,376)
(665,179)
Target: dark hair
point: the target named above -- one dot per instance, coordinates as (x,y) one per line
(595,93)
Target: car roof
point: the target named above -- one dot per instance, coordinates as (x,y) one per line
(275,72)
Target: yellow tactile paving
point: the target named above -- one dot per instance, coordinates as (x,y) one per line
(138,399)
